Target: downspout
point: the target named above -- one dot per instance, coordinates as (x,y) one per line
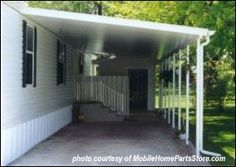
(201,101)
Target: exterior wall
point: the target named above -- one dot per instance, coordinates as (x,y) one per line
(120,65)
(23,106)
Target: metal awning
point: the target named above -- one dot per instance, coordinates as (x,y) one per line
(122,37)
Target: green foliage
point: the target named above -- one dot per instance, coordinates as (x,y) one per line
(219,81)
(90,7)
(215,15)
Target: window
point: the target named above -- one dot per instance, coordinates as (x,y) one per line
(61,63)
(29,54)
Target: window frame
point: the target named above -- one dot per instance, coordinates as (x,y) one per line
(32,53)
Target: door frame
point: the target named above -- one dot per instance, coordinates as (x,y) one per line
(141,68)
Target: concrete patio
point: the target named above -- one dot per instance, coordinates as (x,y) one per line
(130,137)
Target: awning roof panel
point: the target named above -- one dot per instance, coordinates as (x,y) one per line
(123,37)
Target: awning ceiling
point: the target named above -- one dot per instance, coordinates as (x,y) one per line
(122,37)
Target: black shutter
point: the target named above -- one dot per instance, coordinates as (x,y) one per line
(81,64)
(29,67)
(24,61)
(58,47)
(64,64)
(81,69)
(35,55)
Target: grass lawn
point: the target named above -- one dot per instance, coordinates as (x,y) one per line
(219,130)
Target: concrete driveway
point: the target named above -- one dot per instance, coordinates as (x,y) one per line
(112,141)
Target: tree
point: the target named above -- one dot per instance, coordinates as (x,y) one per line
(90,7)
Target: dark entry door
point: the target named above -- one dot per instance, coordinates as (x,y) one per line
(138,83)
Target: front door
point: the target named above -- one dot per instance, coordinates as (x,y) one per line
(138,84)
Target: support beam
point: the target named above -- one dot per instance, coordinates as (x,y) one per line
(187,98)
(173,97)
(179,97)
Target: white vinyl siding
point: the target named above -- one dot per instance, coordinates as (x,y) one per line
(23,104)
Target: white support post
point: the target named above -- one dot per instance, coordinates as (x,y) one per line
(159,99)
(179,98)
(198,85)
(187,98)
(173,97)
(201,95)
(169,92)
(161,90)
(165,91)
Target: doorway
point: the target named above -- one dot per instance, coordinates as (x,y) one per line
(138,87)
